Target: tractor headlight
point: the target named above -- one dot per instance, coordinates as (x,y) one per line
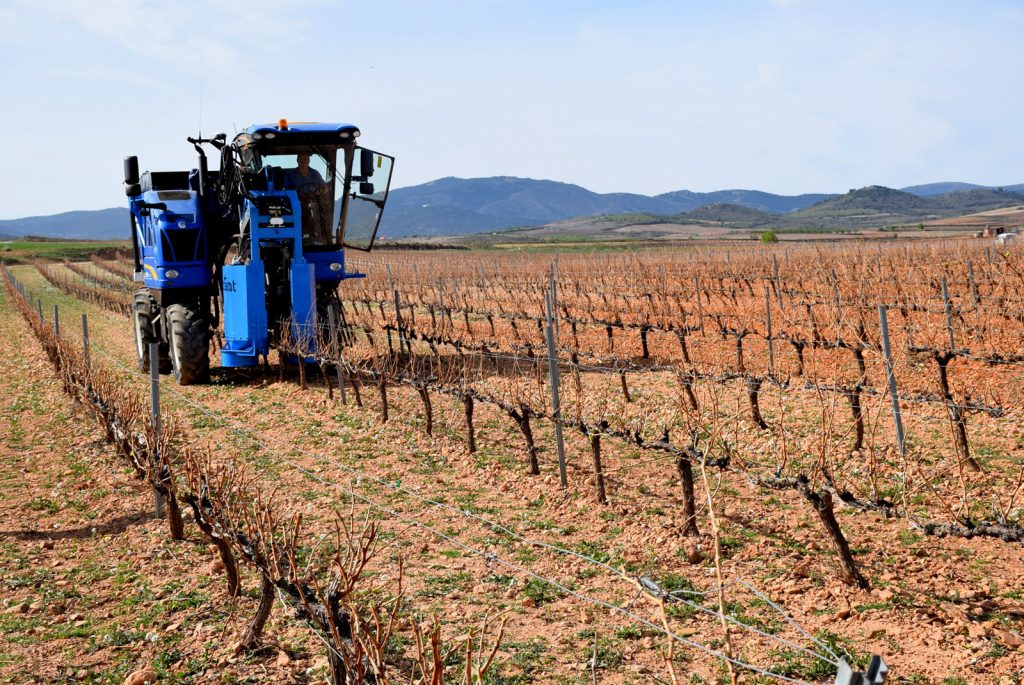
(171,273)
(182,224)
(268,136)
(335,266)
(257,136)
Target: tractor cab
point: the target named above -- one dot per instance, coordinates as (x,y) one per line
(340,188)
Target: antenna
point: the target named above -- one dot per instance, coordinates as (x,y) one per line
(201,75)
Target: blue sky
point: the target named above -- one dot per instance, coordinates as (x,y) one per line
(786,96)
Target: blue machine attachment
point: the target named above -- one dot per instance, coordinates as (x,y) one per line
(169,232)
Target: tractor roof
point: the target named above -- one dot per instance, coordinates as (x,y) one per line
(301,133)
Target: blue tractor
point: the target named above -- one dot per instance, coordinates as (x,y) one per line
(260,240)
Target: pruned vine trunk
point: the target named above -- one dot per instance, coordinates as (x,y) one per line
(467,406)
(957,417)
(689,502)
(382,387)
(255,628)
(858,417)
(428,409)
(175,524)
(522,419)
(753,391)
(595,450)
(822,503)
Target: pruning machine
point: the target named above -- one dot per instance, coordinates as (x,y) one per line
(262,239)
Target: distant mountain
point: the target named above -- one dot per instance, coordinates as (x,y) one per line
(100,224)
(686,200)
(979,200)
(508,201)
(727,215)
(931,189)
(459,206)
(878,205)
(439,221)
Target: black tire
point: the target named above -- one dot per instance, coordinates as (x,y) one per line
(142,318)
(188,335)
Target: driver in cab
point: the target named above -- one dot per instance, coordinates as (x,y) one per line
(304,179)
(315,198)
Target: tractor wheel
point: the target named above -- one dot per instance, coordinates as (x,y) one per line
(188,335)
(142,317)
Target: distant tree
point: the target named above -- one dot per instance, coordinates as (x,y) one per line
(769,237)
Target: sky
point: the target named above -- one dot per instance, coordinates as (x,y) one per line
(785,96)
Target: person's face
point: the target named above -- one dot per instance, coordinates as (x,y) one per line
(303,160)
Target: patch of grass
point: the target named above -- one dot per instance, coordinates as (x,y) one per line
(541,592)
(442,585)
(44,504)
(594,550)
(114,636)
(796,664)
(528,661)
(607,655)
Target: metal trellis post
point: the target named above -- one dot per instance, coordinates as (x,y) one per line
(85,341)
(154,398)
(893,392)
(337,350)
(556,409)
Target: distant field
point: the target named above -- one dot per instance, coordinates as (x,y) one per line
(22,251)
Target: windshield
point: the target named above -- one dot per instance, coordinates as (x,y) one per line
(311,172)
(341,191)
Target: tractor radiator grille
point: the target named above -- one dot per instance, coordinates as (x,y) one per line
(182,245)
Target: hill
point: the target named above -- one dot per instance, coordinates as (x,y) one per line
(101,224)
(868,206)
(878,205)
(685,200)
(723,214)
(930,189)
(460,206)
(507,201)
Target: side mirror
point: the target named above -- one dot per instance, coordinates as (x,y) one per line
(131,176)
(365,162)
(131,169)
(366,188)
